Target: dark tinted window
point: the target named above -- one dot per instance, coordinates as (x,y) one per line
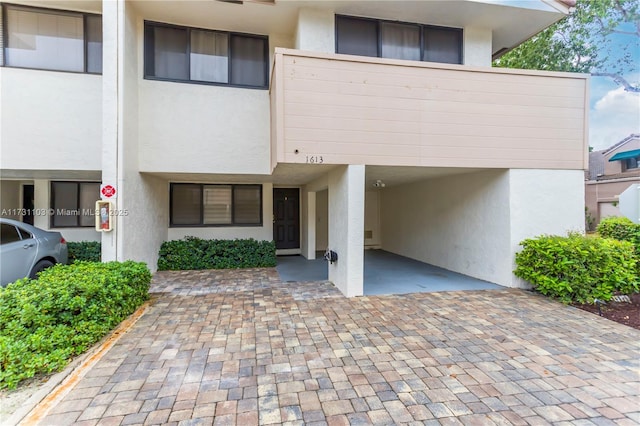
(73,204)
(443,45)
(8,234)
(215,205)
(205,56)
(357,36)
(398,40)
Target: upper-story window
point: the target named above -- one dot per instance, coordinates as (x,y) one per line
(398,40)
(204,56)
(52,39)
(632,163)
(629,159)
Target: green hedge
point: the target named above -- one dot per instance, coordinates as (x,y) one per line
(620,228)
(196,253)
(578,268)
(90,251)
(45,323)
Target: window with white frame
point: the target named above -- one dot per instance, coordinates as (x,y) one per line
(205,56)
(194,204)
(52,39)
(398,40)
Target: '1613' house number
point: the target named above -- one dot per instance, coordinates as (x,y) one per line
(315,159)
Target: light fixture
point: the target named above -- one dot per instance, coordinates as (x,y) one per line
(379,184)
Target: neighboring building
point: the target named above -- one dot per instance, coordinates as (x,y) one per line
(276,120)
(611,171)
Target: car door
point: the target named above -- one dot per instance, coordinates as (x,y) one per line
(17,253)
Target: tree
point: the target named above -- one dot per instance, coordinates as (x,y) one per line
(582,42)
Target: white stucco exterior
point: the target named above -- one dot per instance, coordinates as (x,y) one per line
(316,30)
(473,223)
(342,113)
(346,225)
(477,47)
(228,134)
(544,202)
(458,223)
(50,120)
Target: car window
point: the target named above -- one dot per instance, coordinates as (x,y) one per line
(24,233)
(8,233)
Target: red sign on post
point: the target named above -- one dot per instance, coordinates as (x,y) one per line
(107,192)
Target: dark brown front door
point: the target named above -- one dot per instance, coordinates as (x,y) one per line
(286,218)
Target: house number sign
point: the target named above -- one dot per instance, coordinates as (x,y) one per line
(314,159)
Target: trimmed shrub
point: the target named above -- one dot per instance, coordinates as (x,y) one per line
(620,228)
(89,251)
(44,323)
(578,268)
(195,253)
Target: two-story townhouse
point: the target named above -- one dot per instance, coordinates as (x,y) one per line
(318,124)
(611,172)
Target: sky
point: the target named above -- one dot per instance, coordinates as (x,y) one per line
(614,114)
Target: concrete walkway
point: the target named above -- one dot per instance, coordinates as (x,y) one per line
(242,347)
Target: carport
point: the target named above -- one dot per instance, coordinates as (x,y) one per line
(385,273)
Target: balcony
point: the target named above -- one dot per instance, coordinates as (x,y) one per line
(339,109)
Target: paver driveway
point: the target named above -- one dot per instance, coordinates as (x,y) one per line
(241,347)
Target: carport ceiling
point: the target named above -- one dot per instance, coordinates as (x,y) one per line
(302,174)
(394,176)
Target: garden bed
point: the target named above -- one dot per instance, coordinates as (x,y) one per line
(621,312)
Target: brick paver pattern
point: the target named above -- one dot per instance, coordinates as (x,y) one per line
(242,347)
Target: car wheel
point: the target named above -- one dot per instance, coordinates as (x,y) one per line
(39,267)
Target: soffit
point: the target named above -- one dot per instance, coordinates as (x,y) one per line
(511,21)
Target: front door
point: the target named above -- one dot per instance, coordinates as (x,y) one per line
(28,203)
(286,218)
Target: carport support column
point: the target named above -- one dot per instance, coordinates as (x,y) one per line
(346,228)
(308,224)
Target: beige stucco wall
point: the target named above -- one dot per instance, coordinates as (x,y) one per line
(50,120)
(614,167)
(601,197)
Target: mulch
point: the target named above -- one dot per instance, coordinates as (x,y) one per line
(627,313)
